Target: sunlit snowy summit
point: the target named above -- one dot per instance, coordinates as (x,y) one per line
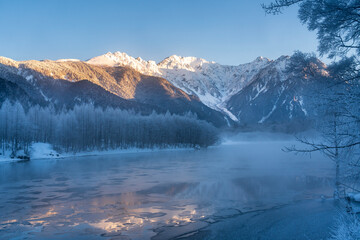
(261,92)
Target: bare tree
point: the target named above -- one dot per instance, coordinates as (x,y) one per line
(337,24)
(86,128)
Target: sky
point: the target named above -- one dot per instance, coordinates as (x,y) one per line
(225,31)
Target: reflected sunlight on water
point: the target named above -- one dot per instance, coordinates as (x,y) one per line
(141,195)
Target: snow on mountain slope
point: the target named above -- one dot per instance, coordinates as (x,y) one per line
(100,85)
(260,92)
(124,60)
(68,60)
(280,94)
(213,83)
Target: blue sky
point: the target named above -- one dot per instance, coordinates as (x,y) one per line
(225,31)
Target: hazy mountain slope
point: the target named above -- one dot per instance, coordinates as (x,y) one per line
(64,94)
(17,87)
(71,93)
(14,93)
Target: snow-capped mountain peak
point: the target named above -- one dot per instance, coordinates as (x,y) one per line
(113,59)
(261,58)
(257,91)
(186,63)
(122,59)
(213,83)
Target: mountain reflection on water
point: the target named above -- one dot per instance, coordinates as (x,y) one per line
(139,195)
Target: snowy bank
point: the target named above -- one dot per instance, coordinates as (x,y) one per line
(354,197)
(46,151)
(36,151)
(120,151)
(42,150)
(5,157)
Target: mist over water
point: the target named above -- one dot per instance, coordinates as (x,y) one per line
(144,195)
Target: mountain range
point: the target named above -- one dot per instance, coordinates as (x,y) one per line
(263,92)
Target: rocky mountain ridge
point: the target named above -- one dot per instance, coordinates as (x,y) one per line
(261,92)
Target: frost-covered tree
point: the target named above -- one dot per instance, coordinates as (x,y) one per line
(86,127)
(337,24)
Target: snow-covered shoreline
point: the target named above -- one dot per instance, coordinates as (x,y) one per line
(114,152)
(39,151)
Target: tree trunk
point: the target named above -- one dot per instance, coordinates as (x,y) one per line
(337,161)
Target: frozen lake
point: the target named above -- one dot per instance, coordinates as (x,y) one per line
(238,190)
